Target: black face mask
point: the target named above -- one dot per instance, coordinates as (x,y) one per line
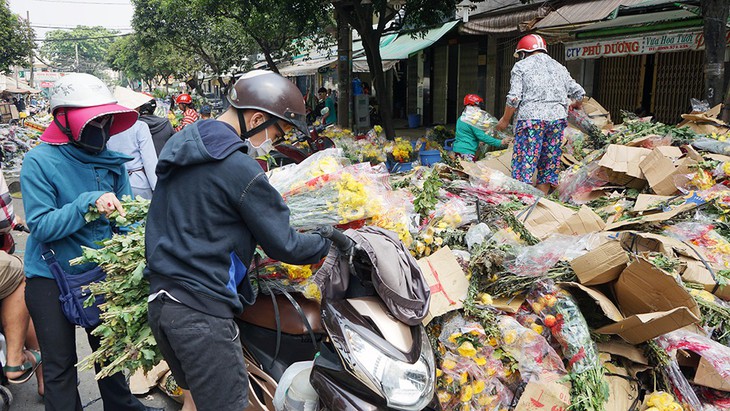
(95,135)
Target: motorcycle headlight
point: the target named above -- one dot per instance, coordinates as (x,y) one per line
(404,386)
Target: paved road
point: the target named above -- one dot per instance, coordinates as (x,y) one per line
(25,396)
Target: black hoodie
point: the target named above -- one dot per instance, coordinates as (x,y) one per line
(212,205)
(161,130)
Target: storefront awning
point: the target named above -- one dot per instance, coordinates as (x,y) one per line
(405,45)
(18,87)
(502,23)
(305,67)
(361,66)
(576,15)
(640,22)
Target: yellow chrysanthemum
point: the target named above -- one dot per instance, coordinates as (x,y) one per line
(466,349)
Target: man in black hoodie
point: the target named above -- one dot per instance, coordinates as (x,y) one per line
(212,205)
(160,128)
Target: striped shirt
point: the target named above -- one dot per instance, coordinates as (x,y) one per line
(190,116)
(7,216)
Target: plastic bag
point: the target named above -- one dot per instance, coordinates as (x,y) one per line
(477,234)
(561,314)
(469,374)
(292,176)
(273,276)
(711,243)
(712,145)
(574,142)
(582,121)
(493,180)
(534,355)
(578,181)
(482,120)
(699,106)
(536,260)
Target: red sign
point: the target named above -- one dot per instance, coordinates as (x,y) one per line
(47,84)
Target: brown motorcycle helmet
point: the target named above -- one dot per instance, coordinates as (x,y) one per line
(271,93)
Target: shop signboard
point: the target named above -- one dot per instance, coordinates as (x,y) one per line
(646,44)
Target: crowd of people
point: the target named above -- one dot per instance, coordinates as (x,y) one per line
(102,146)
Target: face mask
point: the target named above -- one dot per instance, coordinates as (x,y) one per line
(262,149)
(95,135)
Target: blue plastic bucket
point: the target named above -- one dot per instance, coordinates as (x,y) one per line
(414,120)
(401,167)
(418,148)
(429,157)
(449,144)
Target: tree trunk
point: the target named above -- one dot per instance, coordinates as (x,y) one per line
(714,15)
(371,44)
(344,73)
(725,114)
(269,59)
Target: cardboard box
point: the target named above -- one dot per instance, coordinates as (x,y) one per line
(448,283)
(705,122)
(621,164)
(653,218)
(649,202)
(696,272)
(602,265)
(548,217)
(544,394)
(659,304)
(501,162)
(662,165)
(708,376)
(622,392)
(622,349)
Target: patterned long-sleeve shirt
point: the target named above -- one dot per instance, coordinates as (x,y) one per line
(7,216)
(540,89)
(190,116)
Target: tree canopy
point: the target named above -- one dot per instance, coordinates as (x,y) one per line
(16,38)
(82,49)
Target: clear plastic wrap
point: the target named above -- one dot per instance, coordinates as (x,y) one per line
(536,260)
(292,176)
(481,175)
(353,193)
(712,145)
(560,313)
(482,120)
(534,355)
(578,181)
(582,121)
(574,142)
(716,354)
(274,275)
(469,375)
(713,245)
(476,235)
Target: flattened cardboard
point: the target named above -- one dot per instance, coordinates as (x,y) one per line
(545,394)
(643,327)
(643,288)
(717,157)
(661,166)
(607,306)
(708,376)
(646,202)
(508,305)
(622,393)
(602,265)
(622,349)
(548,217)
(501,163)
(653,218)
(622,164)
(447,281)
(696,272)
(141,382)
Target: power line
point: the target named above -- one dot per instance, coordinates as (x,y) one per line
(43,26)
(85,38)
(83,2)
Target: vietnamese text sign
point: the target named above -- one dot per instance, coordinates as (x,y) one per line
(648,44)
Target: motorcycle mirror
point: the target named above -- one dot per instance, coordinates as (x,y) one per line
(325,111)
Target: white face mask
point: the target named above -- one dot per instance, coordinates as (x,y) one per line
(262,149)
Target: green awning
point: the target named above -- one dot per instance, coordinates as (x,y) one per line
(405,45)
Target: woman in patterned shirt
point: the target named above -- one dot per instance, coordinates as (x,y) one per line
(540,94)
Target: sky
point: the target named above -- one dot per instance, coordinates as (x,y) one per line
(47,15)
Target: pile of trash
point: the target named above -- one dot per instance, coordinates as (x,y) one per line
(609,294)
(15,141)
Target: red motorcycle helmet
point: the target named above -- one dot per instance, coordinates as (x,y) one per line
(530,43)
(473,100)
(184,99)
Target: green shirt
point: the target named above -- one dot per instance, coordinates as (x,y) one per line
(468,138)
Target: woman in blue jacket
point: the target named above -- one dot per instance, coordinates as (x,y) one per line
(60,181)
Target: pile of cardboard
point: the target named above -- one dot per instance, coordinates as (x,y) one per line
(631,301)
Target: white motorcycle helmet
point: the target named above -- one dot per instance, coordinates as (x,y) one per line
(80,90)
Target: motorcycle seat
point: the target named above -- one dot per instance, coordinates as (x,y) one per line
(261,314)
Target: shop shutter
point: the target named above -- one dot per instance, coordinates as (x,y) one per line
(440,86)
(505,62)
(412,74)
(679,77)
(468,73)
(619,84)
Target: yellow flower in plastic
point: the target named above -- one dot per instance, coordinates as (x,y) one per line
(439,373)
(453,337)
(448,364)
(478,386)
(537,328)
(466,349)
(466,393)
(298,272)
(480,361)
(444,397)
(510,336)
(463,378)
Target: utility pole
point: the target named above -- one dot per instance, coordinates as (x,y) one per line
(76,46)
(27,18)
(344,72)
(714,15)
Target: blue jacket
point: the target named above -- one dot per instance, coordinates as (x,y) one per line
(59,183)
(213,204)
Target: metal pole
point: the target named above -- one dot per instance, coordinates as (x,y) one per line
(344,72)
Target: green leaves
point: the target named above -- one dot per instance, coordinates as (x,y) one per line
(16,38)
(426,198)
(127,343)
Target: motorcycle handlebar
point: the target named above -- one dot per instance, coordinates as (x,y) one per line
(21,227)
(340,240)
